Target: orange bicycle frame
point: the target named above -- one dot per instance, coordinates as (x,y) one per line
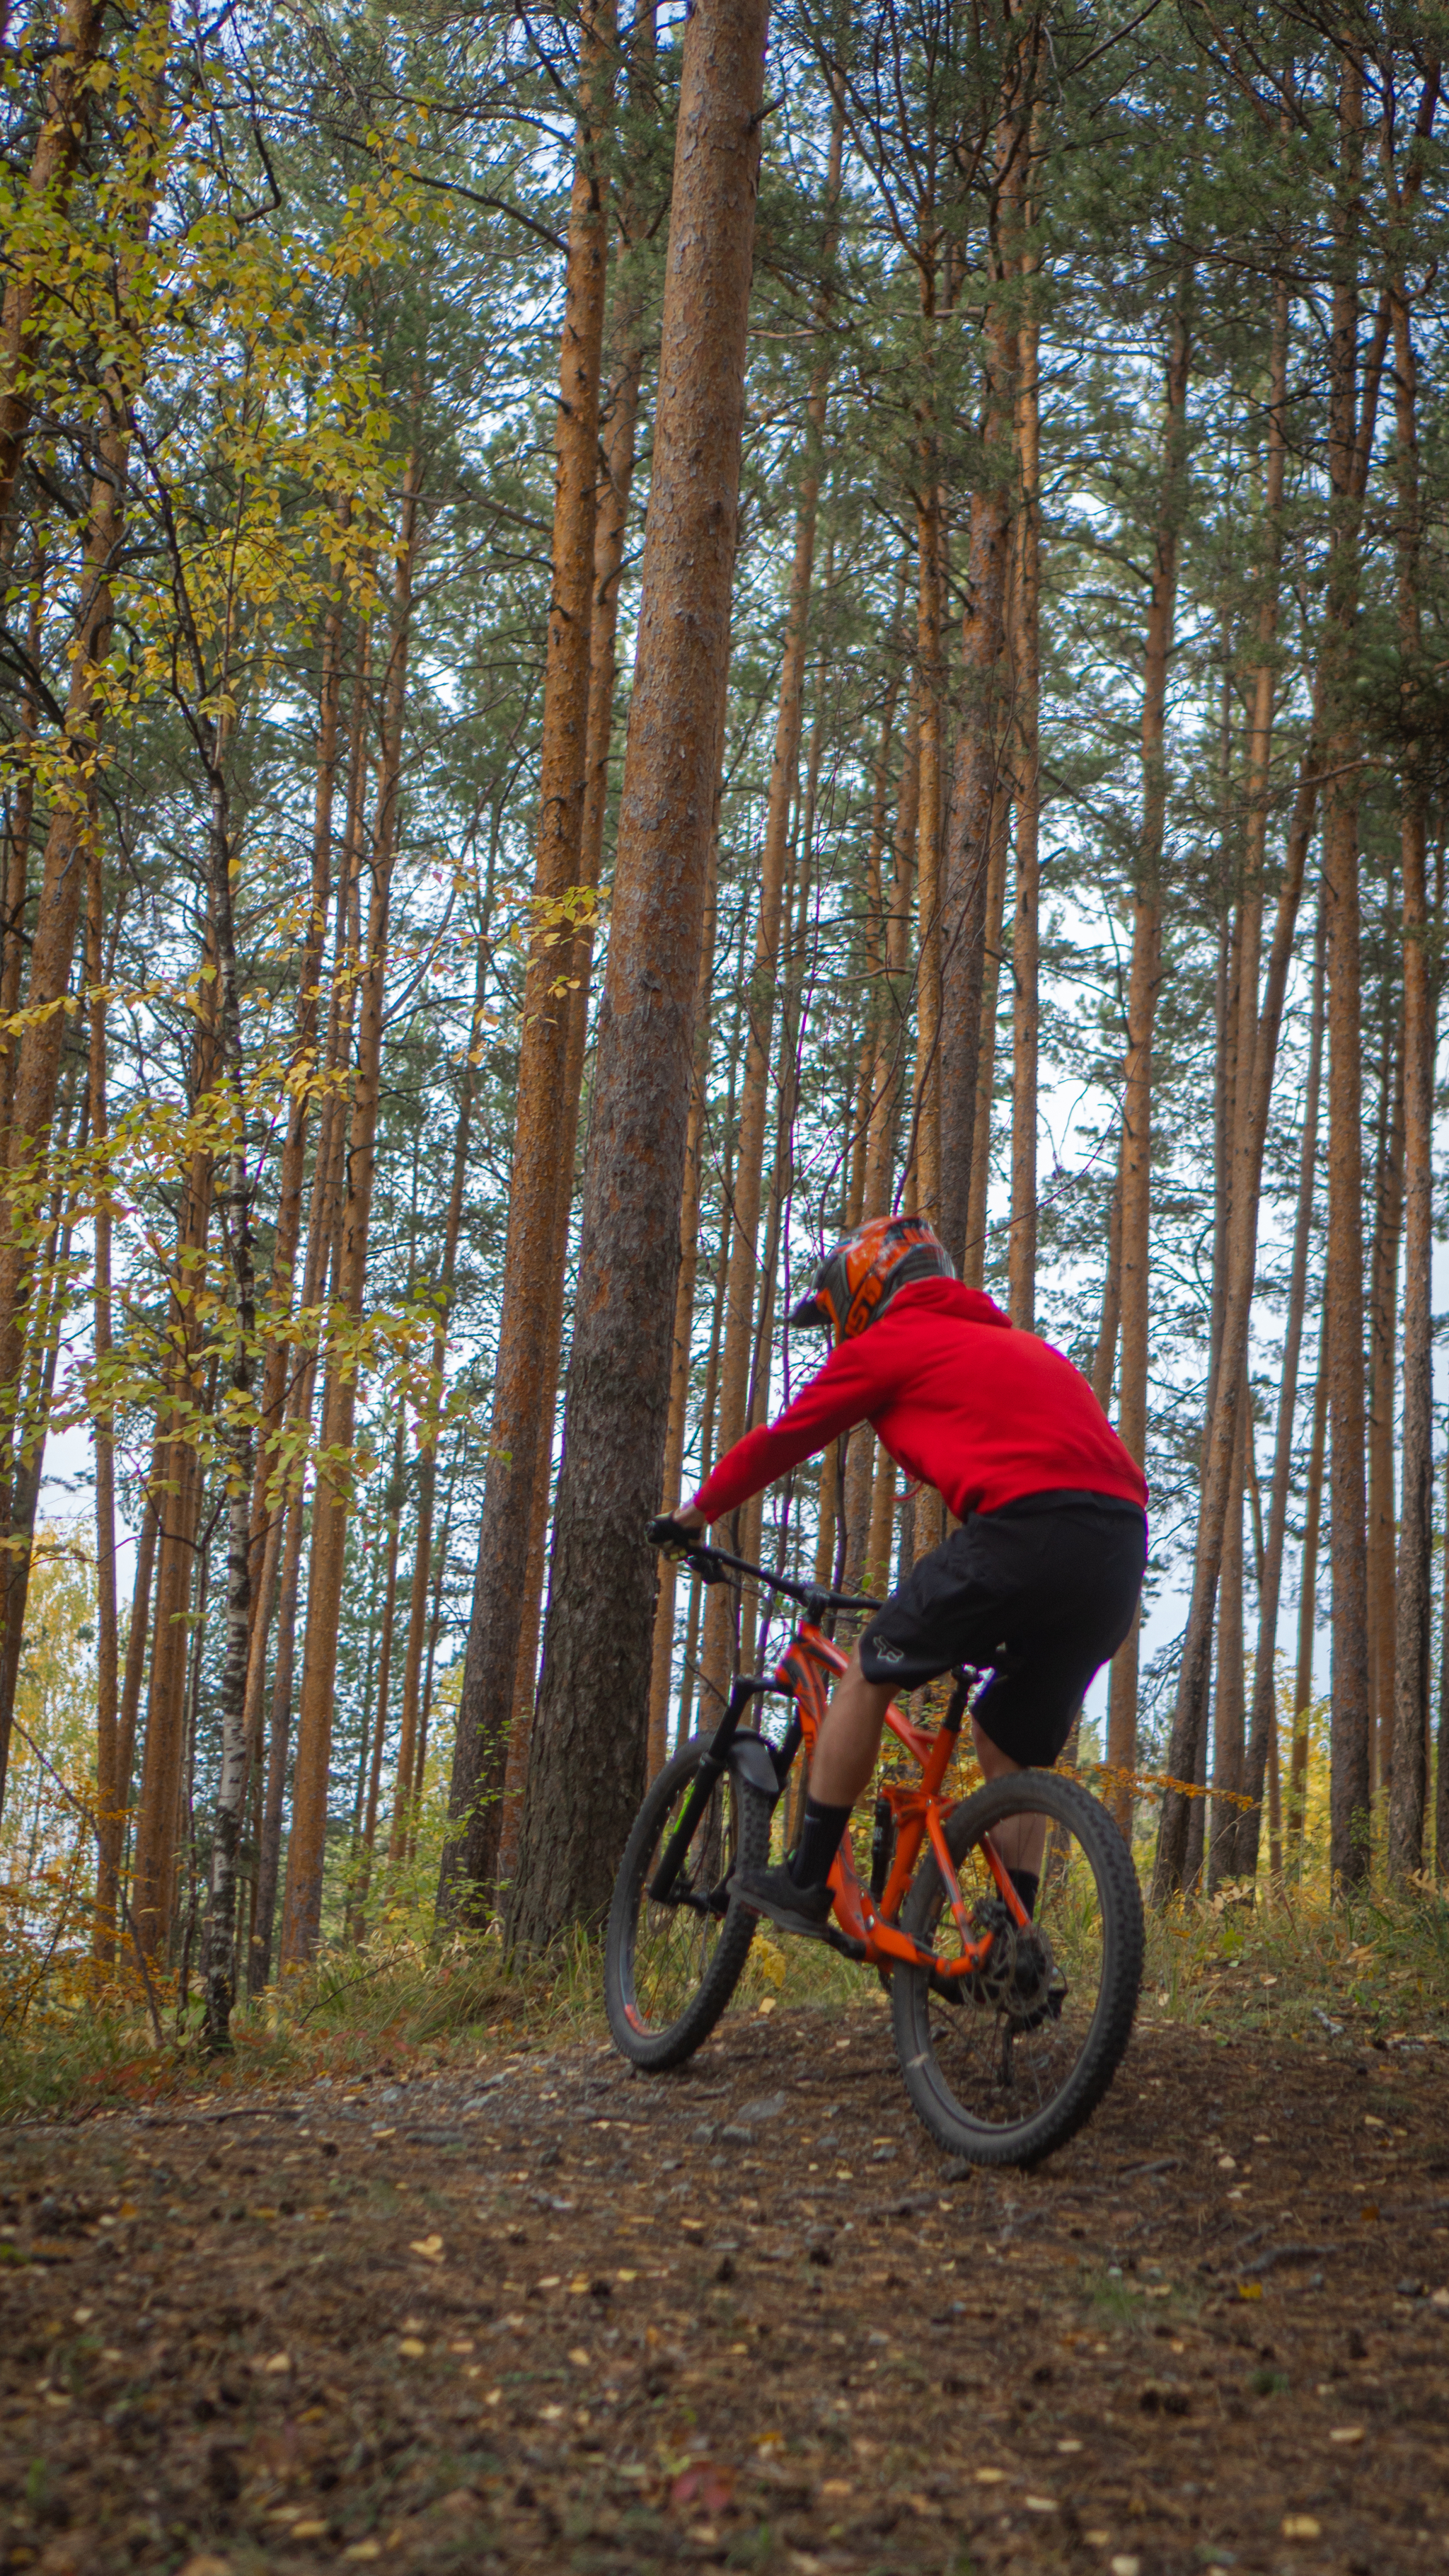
(868,1925)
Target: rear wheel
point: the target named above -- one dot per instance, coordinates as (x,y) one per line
(1006,2065)
(670,1970)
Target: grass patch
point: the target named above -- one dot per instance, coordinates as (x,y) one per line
(399,2007)
(1373,1968)
(1373,1971)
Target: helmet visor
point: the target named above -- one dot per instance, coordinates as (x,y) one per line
(810,1312)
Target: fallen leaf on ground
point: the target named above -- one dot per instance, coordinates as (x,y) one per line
(710,2484)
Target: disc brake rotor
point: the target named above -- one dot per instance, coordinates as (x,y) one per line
(1019,1977)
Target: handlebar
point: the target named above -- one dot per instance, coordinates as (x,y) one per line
(714,1564)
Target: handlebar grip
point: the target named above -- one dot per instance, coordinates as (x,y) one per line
(664,1531)
(686,1546)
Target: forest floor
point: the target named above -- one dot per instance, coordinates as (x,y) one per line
(535,2313)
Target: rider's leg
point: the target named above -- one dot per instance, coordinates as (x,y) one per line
(1022,1839)
(794,1893)
(843,1760)
(849,1740)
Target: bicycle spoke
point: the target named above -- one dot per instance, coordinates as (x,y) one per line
(1012,2044)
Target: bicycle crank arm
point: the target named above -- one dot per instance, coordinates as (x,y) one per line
(694,1900)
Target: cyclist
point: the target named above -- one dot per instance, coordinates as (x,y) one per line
(1041,1579)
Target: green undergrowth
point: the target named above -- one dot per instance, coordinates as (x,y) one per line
(399,2007)
(1374,1971)
(1373,1968)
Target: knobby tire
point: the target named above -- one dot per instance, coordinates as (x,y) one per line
(982,2129)
(723,1944)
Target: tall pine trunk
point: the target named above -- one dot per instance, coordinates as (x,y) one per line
(1265,1674)
(63,129)
(110,1789)
(985,695)
(1350,1777)
(331,1502)
(408,1723)
(746,1275)
(238,1438)
(1143,979)
(175,1484)
(66,867)
(1412,1639)
(1383,1270)
(610,538)
(662,1666)
(892,1049)
(527,1361)
(586,1771)
(1026,925)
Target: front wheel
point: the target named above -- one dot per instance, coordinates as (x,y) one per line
(670,1970)
(1006,2065)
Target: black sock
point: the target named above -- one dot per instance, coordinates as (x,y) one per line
(819,1842)
(1026,1882)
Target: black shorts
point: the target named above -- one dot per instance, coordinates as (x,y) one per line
(1043,1591)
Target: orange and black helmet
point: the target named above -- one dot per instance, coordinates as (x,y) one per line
(856,1282)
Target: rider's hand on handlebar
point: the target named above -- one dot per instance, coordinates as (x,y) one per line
(675,1536)
(681,1536)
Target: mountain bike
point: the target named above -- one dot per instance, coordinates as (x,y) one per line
(1008,2027)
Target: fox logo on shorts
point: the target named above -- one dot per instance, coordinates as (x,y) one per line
(887,1654)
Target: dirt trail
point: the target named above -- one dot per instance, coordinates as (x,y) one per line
(547,2315)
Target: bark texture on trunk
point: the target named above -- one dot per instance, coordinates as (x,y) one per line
(662,1667)
(586,1772)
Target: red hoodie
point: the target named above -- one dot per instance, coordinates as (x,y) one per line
(959,1398)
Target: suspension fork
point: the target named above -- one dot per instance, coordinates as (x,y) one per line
(713,1763)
